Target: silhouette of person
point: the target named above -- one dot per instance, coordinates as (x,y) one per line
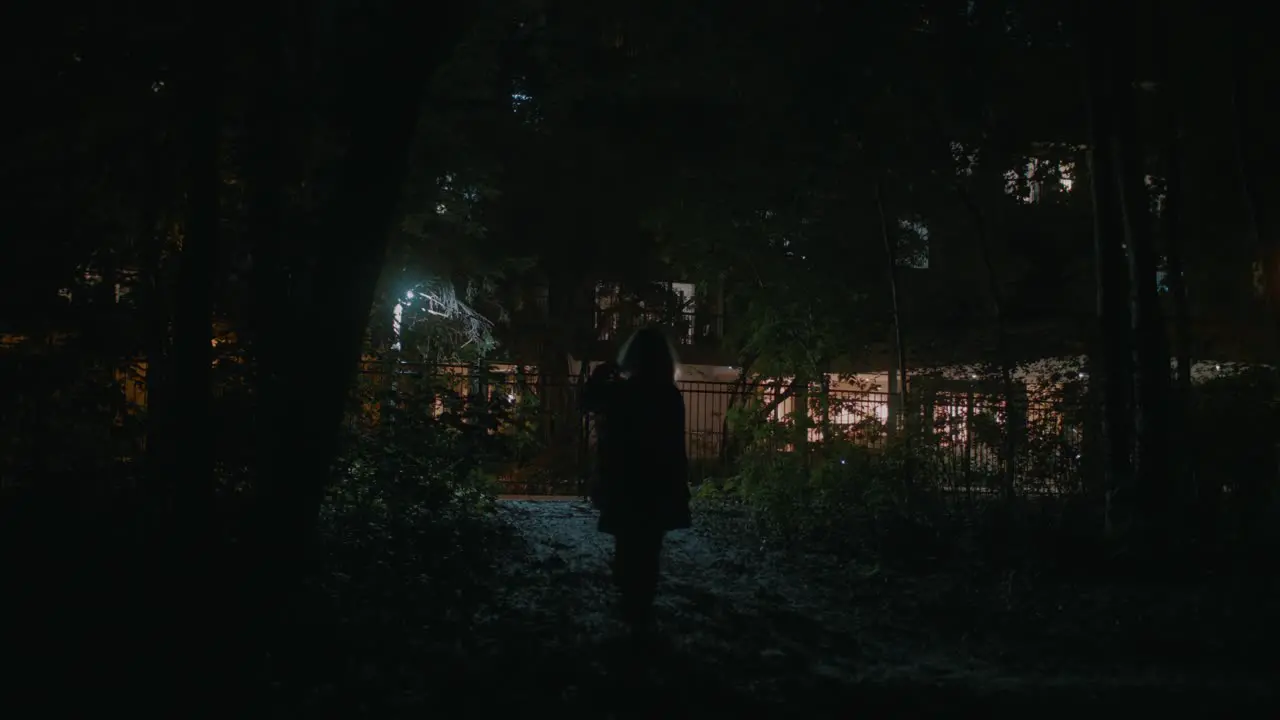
(642,491)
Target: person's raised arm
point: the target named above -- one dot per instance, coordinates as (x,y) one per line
(601,388)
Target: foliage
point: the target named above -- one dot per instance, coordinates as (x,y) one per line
(1234,421)
(65,413)
(491,419)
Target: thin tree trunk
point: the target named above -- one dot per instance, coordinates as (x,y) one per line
(1257,218)
(1113,309)
(1150,354)
(1259,223)
(891,256)
(189,450)
(1009,438)
(825,400)
(900,346)
(741,387)
(1177,270)
(1171,217)
(153,299)
(192,475)
(268,332)
(266,178)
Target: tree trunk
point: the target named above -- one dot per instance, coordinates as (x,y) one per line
(891,257)
(187,451)
(899,345)
(1150,354)
(153,299)
(564,314)
(1257,217)
(824,400)
(191,471)
(1171,219)
(1113,309)
(267,328)
(1009,438)
(332,300)
(1251,161)
(741,387)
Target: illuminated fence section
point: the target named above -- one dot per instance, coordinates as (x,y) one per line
(962,436)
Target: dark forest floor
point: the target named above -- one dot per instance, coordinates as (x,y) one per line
(745,629)
(749,629)
(770,628)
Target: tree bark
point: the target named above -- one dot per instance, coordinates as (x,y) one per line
(331,301)
(187,450)
(900,347)
(1009,438)
(1150,354)
(191,471)
(1113,338)
(1171,220)
(891,257)
(1257,216)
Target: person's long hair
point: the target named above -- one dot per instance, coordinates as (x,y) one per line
(648,355)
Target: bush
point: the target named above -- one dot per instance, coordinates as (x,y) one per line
(408,537)
(409,463)
(833,496)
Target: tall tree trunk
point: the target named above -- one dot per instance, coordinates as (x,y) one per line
(742,386)
(564,315)
(267,332)
(1113,339)
(1150,349)
(266,174)
(888,239)
(1260,226)
(152,297)
(824,400)
(1171,218)
(395,40)
(891,257)
(1257,216)
(192,470)
(188,450)
(1013,414)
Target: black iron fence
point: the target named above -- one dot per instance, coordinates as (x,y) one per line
(549,441)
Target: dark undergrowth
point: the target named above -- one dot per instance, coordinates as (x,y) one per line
(101,614)
(1031,583)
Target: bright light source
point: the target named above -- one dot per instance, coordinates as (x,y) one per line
(396,314)
(511,398)
(408,295)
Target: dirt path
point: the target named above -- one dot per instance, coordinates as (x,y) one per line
(749,625)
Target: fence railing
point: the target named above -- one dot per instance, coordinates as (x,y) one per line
(963,434)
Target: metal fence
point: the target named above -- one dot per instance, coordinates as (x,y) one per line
(963,435)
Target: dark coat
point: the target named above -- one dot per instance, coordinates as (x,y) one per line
(643,482)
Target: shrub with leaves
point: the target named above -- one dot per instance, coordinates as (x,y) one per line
(66,413)
(407,530)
